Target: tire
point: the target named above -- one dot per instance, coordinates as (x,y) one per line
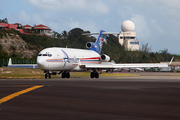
(67,75)
(49,75)
(46,76)
(63,75)
(96,75)
(92,75)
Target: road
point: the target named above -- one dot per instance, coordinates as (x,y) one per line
(144,97)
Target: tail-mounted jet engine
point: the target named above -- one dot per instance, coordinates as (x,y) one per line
(90,45)
(105,58)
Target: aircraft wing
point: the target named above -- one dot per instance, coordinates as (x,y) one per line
(113,66)
(10,65)
(23,66)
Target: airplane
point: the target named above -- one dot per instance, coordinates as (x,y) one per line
(67,60)
(10,65)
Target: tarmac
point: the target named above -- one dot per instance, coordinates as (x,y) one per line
(147,96)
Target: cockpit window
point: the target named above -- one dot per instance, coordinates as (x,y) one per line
(44,54)
(47,54)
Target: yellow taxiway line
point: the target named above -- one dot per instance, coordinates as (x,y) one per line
(4,99)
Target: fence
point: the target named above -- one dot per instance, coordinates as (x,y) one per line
(4,62)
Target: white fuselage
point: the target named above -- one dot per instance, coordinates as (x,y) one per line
(65,59)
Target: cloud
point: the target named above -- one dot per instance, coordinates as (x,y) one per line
(1,12)
(141,26)
(88,25)
(24,18)
(56,23)
(151,8)
(92,7)
(155,26)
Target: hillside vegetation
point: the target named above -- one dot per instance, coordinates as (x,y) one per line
(23,46)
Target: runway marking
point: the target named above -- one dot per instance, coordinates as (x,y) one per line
(2,100)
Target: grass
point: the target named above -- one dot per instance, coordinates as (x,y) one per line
(87,74)
(21,73)
(39,74)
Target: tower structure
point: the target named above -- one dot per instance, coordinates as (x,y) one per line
(128,36)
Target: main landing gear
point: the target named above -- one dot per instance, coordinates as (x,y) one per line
(65,74)
(94,74)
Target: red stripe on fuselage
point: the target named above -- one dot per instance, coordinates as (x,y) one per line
(90,58)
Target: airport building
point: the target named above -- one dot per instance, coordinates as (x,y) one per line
(128,37)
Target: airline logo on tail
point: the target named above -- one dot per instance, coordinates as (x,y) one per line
(100,41)
(97,46)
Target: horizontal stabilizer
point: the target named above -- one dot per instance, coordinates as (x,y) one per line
(105,33)
(90,34)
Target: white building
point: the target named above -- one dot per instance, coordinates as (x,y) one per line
(128,37)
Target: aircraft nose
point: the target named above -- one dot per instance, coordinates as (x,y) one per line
(41,63)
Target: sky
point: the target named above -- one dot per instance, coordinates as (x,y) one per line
(156,21)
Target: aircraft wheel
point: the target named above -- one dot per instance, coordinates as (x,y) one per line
(96,75)
(63,75)
(49,75)
(92,75)
(67,75)
(46,76)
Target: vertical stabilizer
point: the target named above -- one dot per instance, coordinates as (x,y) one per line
(10,62)
(97,46)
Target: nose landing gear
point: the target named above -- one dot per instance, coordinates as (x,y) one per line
(48,75)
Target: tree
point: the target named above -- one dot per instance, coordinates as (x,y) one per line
(77,40)
(64,34)
(165,54)
(145,48)
(4,20)
(56,34)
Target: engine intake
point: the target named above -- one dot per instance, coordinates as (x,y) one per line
(105,58)
(88,45)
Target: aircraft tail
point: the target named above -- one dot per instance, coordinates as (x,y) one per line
(97,46)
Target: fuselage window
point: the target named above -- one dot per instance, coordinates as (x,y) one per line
(40,55)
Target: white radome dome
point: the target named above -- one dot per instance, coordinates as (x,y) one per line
(127,26)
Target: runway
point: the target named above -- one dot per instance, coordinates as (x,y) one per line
(137,98)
